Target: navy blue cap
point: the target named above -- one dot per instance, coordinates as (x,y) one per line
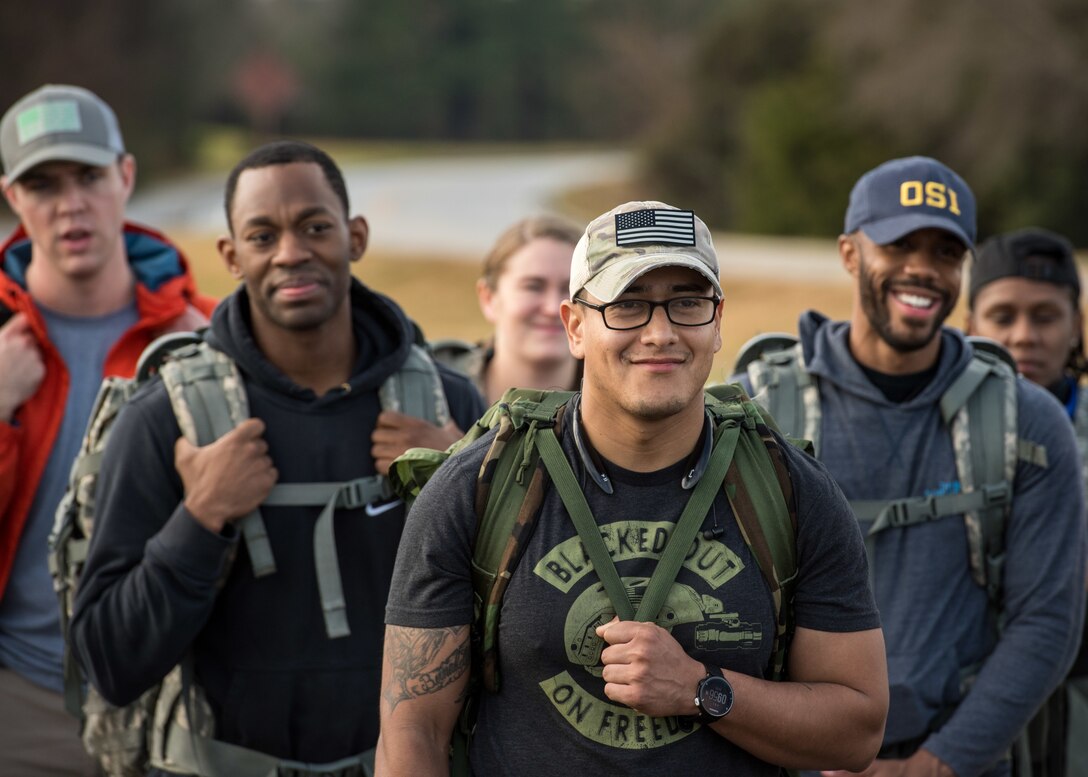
(903,195)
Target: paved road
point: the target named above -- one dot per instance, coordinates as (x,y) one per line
(455,205)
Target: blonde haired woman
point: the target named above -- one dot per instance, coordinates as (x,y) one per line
(525,277)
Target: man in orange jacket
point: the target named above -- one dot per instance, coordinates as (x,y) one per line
(82,292)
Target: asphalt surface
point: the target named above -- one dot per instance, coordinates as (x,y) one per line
(441,206)
(455,207)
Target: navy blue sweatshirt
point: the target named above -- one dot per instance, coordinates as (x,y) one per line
(158,584)
(935,618)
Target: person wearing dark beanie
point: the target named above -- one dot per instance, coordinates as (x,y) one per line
(1024,292)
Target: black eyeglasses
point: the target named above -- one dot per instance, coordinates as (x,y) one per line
(633,313)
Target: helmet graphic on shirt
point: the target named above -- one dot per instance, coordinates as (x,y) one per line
(717,629)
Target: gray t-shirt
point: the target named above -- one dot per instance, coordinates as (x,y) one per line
(30,638)
(551,712)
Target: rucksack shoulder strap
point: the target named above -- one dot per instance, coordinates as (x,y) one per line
(980,410)
(758,346)
(416,389)
(782,385)
(509,493)
(760,492)
(986,445)
(208,397)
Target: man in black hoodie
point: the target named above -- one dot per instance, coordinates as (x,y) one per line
(162,584)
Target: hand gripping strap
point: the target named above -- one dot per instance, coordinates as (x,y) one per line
(207,394)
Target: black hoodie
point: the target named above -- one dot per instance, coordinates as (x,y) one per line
(157,583)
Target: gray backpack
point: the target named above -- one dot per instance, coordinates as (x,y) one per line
(170,726)
(980,411)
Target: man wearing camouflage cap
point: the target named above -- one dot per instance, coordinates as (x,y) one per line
(684,691)
(82,293)
(964,478)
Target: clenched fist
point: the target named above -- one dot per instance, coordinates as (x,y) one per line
(227,479)
(396,432)
(21,365)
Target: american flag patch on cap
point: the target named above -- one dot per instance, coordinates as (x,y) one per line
(660,227)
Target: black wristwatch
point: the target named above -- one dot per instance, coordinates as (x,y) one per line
(713,696)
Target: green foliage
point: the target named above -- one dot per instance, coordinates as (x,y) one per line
(793,100)
(797,159)
(437,69)
(149,61)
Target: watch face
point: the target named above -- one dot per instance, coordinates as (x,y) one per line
(715,696)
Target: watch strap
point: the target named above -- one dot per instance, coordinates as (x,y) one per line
(703,716)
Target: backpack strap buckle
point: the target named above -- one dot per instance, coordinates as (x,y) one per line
(996,494)
(899,513)
(362,491)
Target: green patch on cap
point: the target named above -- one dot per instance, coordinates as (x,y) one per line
(47,119)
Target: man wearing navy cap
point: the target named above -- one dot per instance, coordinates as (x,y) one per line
(964,478)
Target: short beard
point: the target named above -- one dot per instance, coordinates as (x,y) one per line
(875,306)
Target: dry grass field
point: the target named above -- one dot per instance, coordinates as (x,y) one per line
(767,283)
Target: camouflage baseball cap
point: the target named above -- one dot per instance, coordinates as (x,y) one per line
(58,123)
(634,238)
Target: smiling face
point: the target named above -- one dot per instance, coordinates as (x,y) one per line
(905,291)
(74,214)
(292,246)
(1036,320)
(524,304)
(652,372)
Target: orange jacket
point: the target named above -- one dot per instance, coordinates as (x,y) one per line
(166,301)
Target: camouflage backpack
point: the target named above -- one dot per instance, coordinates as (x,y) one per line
(979,409)
(525,455)
(208,398)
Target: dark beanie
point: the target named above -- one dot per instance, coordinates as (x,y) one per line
(1032,253)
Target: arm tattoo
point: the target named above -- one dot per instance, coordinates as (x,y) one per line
(424,661)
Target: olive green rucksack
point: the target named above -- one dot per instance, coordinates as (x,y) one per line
(525,455)
(170,726)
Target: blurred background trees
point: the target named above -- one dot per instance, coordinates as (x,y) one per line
(760,114)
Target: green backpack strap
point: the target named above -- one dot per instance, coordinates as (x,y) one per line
(760,493)
(664,574)
(509,492)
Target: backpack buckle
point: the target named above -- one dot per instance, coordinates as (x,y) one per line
(354,494)
(897,514)
(900,513)
(994,494)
